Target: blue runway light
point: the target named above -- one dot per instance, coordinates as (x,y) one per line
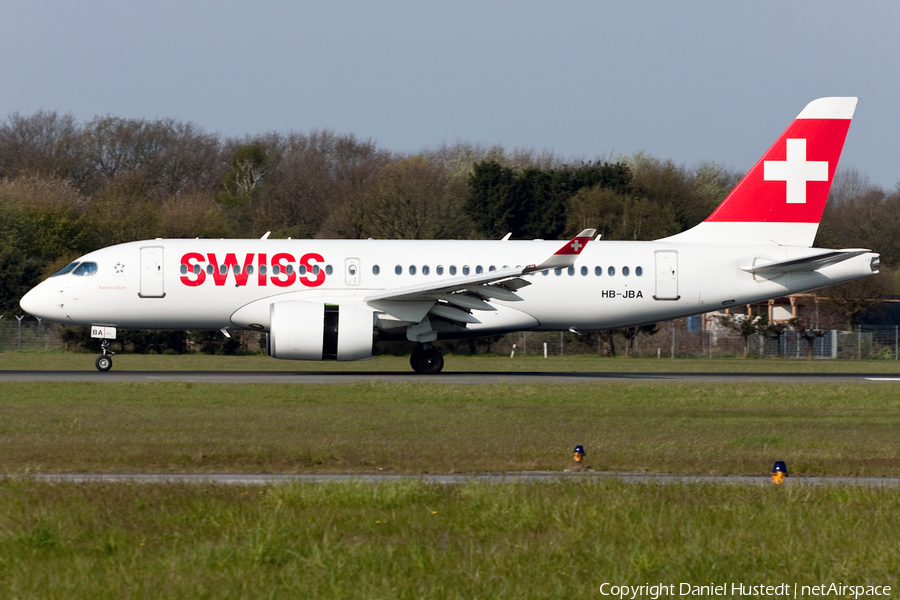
(779,471)
(579,453)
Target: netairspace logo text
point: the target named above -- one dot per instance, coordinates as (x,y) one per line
(782,590)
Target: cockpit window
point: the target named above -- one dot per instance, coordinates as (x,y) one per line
(86,269)
(66,269)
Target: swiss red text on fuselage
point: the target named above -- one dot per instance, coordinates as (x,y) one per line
(285,269)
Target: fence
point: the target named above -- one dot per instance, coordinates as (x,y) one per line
(24,332)
(674,339)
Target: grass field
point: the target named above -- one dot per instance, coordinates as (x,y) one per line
(411,540)
(453,363)
(834,429)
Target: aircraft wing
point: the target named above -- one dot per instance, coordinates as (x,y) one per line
(805,263)
(454,297)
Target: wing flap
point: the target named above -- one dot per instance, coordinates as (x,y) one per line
(452,314)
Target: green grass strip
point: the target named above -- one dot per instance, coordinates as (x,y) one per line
(839,429)
(418,541)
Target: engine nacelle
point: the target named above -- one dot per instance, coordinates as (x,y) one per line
(300,330)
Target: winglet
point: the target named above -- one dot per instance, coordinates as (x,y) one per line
(566,256)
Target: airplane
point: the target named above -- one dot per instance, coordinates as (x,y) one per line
(332,299)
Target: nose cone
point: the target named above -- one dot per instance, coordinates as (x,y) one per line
(35,302)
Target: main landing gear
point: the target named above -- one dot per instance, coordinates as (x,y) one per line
(426,359)
(104,361)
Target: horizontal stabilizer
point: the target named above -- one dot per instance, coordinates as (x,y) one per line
(805,263)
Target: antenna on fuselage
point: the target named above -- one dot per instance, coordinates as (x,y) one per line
(265,235)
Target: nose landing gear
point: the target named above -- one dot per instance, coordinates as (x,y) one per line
(426,359)
(104,361)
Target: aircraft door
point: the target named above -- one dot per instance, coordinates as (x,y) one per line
(152,272)
(666,275)
(351,271)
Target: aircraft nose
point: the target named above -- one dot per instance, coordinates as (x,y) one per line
(35,302)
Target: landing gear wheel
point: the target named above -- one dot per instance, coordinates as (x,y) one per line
(432,362)
(104,363)
(427,360)
(415,358)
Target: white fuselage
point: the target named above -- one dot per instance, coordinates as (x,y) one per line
(143,285)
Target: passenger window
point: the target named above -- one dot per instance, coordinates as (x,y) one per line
(196,269)
(492,268)
(479,270)
(376,269)
(625,271)
(86,269)
(571,271)
(223,270)
(328,270)
(425,270)
(276,270)
(611,271)
(301,269)
(439,269)
(263,269)
(466,269)
(412,269)
(584,271)
(453,269)
(289,269)
(66,269)
(598,271)
(398,270)
(236,269)
(638,271)
(557,271)
(315,269)
(249,269)
(184,269)
(545,272)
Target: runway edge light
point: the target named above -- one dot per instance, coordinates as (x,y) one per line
(779,471)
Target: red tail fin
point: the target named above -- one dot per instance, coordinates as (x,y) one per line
(780,201)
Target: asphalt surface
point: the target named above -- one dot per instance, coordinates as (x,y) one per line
(450,479)
(473,377)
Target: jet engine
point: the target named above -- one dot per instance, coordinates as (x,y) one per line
(301,330)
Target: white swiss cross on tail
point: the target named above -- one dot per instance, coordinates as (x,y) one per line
(795,171)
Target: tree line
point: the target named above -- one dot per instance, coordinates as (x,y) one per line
(68,187)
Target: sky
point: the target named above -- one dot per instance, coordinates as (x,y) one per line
(689,81)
